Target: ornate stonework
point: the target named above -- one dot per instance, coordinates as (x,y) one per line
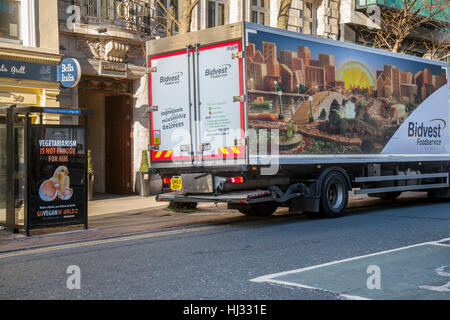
(92,48)
(109,50)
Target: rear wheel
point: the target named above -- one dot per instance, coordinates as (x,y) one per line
(334,195)
(258,209)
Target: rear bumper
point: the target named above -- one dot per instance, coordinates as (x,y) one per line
(235,197)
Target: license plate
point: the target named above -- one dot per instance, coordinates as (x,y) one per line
(176,184)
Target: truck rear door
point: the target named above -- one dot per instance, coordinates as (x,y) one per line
(219,105)
(197,116)
(171,104)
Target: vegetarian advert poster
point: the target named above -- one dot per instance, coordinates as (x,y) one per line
(56,181)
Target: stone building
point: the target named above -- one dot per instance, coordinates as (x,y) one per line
(29,42)
(114,84)
(29,56)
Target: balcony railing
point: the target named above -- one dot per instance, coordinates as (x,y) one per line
(133,15)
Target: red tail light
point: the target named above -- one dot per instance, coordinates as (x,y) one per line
(236,179)
(167,180)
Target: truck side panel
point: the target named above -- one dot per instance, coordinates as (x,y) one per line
(329,99)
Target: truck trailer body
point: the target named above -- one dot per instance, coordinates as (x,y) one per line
(259,118)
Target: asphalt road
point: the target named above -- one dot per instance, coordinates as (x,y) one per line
(277,257)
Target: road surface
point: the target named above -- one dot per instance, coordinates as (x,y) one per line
(388,252)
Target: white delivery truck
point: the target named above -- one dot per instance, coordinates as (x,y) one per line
(259,118)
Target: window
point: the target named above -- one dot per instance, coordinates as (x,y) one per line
(98,11)
(163,17)
(217,13)
(17,22)
(9,19)
(309,16)
(259,11)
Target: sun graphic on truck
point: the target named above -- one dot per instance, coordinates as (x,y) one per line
(355,74)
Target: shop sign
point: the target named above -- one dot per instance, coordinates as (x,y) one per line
(62,111)
(112,69)
(69,72)
(57,193)
(27,70)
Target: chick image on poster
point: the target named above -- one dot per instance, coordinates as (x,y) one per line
(57,186)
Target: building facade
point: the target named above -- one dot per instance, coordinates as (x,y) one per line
(29,52)
(108,42)
(29,56)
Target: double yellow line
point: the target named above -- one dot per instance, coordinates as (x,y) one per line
(104,241)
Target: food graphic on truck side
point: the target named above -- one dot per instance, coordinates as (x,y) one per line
(341,101)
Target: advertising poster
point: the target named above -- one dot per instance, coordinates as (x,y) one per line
(56,180)
(331,99)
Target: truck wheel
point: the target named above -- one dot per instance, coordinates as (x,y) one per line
(334,195)
(258,209)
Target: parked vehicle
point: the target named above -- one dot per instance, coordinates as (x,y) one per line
(259,118)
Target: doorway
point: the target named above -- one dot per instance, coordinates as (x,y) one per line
(118,145)
(109,139)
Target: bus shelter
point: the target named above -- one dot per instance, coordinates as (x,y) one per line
(43,169)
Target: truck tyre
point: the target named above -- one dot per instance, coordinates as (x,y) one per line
(334,195)
(258,209)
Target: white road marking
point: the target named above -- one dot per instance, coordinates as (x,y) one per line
(444,288)
(270,277)
(304,286)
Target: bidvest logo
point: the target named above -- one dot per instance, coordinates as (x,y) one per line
(221,71)
(428,134)
(174,78)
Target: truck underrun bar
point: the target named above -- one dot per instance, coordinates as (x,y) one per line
(238,197)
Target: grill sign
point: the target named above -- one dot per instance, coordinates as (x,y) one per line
(27,70)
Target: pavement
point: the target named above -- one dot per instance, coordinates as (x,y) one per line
(114,216)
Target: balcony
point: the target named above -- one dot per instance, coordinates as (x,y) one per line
(132,15)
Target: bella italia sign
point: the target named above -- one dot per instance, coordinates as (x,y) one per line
(68,73)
